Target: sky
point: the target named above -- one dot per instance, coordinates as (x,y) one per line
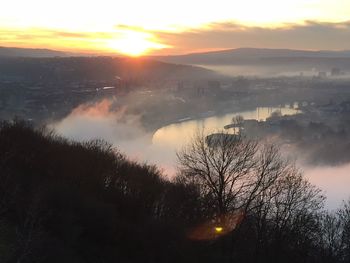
(137,27)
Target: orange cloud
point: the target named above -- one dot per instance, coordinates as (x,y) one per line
(213,36)
(310,35)
(122,39)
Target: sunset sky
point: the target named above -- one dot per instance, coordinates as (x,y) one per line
(174,27)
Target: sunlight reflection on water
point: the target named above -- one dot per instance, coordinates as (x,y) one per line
(178,134)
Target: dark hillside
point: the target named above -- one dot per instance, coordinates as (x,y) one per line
(81,202)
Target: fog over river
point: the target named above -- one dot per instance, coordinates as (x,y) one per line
(99,120)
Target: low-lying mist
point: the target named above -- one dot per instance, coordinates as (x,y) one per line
(270,71)
(333,180)
(252,70)
(105,120)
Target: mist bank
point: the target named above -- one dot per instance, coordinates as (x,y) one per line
(266,62)
(333,180)
(105,120)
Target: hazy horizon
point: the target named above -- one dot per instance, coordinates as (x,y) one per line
(154,28)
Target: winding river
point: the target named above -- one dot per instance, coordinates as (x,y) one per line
(176,135)
(333,181)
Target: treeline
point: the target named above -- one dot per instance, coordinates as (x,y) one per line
(63,201)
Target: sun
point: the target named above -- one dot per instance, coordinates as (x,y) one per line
(134,43)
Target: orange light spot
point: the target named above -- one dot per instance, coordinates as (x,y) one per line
(219,229)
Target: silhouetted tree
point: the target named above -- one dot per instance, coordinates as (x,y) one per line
(235,174)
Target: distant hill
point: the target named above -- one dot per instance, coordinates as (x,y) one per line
(96,69)
(252,56)
(30,52)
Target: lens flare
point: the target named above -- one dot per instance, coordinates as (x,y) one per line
(217,227)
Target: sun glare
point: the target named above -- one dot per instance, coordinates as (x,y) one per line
(134,43)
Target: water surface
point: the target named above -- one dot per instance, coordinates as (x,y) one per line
(176,135)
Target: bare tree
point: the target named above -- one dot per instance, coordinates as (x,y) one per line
(238,122)
(231,171)
(331,236)
(344,218)
(288,213)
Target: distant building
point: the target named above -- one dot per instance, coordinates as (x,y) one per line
(322,74)
(180,86)
(214,84)
(335,72)
(240,84)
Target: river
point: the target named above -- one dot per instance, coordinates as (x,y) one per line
(333,181)
(176,135)
(160,148)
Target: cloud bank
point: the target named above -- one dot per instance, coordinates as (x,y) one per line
(307,36)
(310,35)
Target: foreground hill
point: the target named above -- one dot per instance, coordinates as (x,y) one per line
(63,201)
